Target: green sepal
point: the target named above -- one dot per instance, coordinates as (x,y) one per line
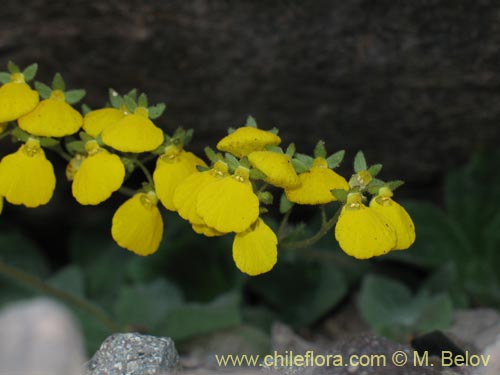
(74,96)
(128,163)
(86,109)
(142,101)
(265,197)
(48,142)
(30,72)
(231,161)
(290,150)
(360,162)
(245,163)
(76,147)
(99,141)
(230,130)
(211,154)
(161,149)
(188,136)
(20,135)
(202,168)
(115,98)
(13,68)
(130,103)
(340,195)
(85,137)
(274,130)
(320,150)
(4,77)
(335,159)
(285,204)
(375,169)
(58,82)
(374,186)
(274,148)
(251,122)
(299,166)
(43,89)
(393,185)
(256,174)
(305,159)
(133,94)
(263,210)
(156,111)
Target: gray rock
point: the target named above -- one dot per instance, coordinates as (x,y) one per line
(39,337)
(134,354)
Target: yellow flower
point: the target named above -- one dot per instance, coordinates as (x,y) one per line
(206,231)
(26,176)
(96,121)
(138,225)
(186,194)
(52,117)
(98,176)
(397,216)
(171,169)
(255,251)
(133,133)
(277,167)
(361,231)
(316,185)
(16,98)
(247,139)
(229,204)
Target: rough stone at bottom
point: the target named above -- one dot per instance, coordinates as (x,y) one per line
(134,354)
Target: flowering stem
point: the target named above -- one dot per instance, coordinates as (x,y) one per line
(145,171)
(58,148)
(5,134)
(127,191)
(284,222)
(325,228)
(40,285)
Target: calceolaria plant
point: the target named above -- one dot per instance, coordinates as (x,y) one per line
(228,193)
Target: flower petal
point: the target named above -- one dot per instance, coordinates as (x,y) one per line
(96,121)
(138,225)
(16,99)
(277,167)
(247,139)
(98,176)
(26,176)
(255,251)
(206,230)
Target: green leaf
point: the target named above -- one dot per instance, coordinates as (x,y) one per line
(251,122)
(13,68)
(285,204)
(69,279)
(299,166)
(43,89)
(360,162)
(375,169)
(4,77)
(115,99)
(74,96)
(340,194)
(76,147)
(193,319)
(142,101)
(435,313)
(302,292)
(320,150)
(48,142)
(446,280)
(130,103)
(335,159)
(19,134)
(58,82)
(146,304)
(19,252)
(156,111)
(30,72)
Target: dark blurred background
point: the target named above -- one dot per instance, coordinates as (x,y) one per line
(414,84)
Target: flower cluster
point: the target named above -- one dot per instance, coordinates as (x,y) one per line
(228,194)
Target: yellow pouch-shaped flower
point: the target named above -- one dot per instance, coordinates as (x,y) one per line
(255,250)
(16,99)
(316,185)
(229,204)
(171,169)
(277,167)
(52,117)
(397,216)
(96,121)
(186,194)
(98,176)
(133,133)
(247,139)
(362,232)
(206,231)
(26,176)
(137,224)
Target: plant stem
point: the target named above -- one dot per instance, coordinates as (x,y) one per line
(325,228)
(145,171)
(284,222)
(40,285)
(127,191)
